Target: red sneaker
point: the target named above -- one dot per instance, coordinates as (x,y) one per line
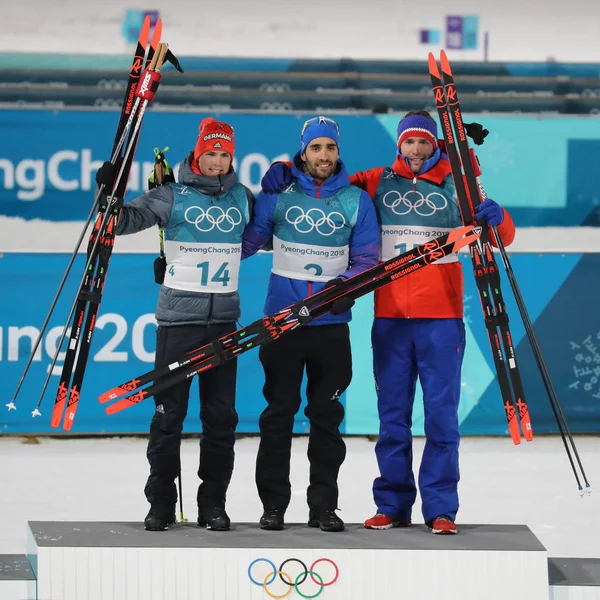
(443,526)
(380,521)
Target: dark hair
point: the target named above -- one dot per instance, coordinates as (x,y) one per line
(421,113)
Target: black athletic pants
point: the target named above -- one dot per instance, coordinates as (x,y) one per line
(217,414)
(325,353)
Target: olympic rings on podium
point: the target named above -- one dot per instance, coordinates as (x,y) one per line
(287,579)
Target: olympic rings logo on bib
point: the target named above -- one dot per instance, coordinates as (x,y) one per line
(299,582)
(206,220)
(314,218)
(413,200)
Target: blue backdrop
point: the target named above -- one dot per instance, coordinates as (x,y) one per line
(542,169)
(47,165)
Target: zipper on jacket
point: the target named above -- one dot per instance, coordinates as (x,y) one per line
(319,190)
(210,308)
(408,297)
(310,288)
(415,183)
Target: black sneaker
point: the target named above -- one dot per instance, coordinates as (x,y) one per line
(325,518)
(272,519)
(214,518)
(159,518)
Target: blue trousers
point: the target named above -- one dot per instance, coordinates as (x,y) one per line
(432,350)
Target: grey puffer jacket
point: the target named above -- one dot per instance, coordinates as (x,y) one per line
(179,307)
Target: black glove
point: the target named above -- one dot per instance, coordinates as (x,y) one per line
(160,268)
(341,305)
(106,174)
(476,132)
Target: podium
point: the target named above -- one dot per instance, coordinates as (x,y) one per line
(17,580)
(574,578)
(121,561)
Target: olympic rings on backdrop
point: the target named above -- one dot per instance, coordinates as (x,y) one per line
(287,579)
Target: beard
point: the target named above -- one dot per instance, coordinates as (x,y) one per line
(311,169)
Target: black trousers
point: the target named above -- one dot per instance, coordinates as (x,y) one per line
(217,414)
(325,353)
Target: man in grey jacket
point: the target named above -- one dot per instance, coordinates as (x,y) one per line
(203,217)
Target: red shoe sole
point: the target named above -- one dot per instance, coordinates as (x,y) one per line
(444,531)
(393,524)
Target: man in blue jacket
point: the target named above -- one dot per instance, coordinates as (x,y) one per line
(323,231)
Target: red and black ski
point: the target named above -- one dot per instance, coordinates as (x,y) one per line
(272,327)
(485,268)
(101,240)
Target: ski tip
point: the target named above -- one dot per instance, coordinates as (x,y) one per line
(56,414)
(465,230)
(111,395)
(144,32)
(11,405)
(157,34)
(115,408)
(445,63)
(433,67)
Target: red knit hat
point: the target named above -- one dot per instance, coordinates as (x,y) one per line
(214,136)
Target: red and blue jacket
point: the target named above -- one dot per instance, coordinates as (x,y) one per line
(412,209)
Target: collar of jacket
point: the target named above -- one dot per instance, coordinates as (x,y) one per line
(435,169)
(330,187)
(211,186)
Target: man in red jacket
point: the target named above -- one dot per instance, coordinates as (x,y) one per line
(418,329)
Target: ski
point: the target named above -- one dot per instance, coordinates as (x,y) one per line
(102,238)
(270,328)
(106,241)
(485,268)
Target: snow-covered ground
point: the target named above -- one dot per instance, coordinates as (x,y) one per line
(379,29)
(103,479)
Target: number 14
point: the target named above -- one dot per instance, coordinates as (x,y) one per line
(221,276)
(402,247)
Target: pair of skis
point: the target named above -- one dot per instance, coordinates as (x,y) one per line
(485,268)
(144,79)
(270,328)
(487,275)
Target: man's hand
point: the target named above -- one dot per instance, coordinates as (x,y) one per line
(106,174)
(341,305)
(276,179)
(491,212)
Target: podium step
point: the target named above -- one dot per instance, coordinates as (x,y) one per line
(17,580)
(118,561)
(574,578)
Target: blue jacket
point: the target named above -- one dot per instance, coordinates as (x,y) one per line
(363,243)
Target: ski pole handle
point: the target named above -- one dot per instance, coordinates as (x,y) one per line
(151,77)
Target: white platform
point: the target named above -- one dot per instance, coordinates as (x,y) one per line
(121,561)
(17,581)
(574,578)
